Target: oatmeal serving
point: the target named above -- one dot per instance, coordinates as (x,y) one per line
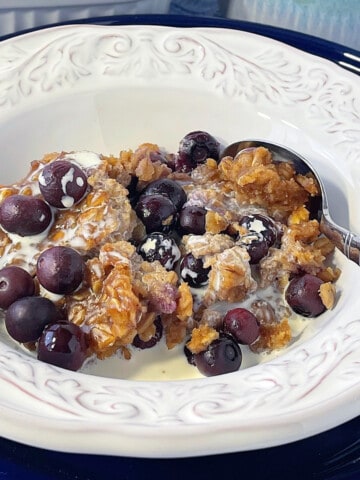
(102,254)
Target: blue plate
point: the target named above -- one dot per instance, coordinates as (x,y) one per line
(332,455)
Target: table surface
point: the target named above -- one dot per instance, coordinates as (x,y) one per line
(331,455)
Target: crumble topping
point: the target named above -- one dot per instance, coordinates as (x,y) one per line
(122,295)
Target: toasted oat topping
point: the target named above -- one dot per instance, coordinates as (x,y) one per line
(201,338)
(327,295)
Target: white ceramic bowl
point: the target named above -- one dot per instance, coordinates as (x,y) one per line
(110,88)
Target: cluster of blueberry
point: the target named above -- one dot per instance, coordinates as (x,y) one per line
(238,327)
(30,317)
(162,208)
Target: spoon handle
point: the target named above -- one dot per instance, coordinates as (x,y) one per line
(348,243)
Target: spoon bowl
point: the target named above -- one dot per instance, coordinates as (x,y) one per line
(347,242)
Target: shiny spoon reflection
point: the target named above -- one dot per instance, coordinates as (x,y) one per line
(346,241)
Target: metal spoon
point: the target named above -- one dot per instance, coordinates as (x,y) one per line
(346,241)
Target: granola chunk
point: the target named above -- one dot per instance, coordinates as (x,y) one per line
(230,278)
(273,336)
(327,294)
(201,338)
(147,163)
(301,249)
(257,180)
(207,244)
(108,309)
(104,215)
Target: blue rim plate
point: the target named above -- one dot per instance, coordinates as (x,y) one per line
(331,455)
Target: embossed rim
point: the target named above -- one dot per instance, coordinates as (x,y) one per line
(310,388)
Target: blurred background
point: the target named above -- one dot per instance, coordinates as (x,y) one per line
(334,20)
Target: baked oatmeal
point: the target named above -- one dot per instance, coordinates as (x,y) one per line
(115,252)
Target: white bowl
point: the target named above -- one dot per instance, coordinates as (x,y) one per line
(111,88)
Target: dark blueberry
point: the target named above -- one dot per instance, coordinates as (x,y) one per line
(63,344)
(169,188)
(138,343)
(133,194)
(15,282)
(62,183)
(194,149)
(26,318)
(242,325)
(160,246)
(260,224)
(60,269)
(221,356)
(192,219)
(157,212)
(189,356)
(255,244)
(302,295)
(193,272)
(25,215)
(183,164)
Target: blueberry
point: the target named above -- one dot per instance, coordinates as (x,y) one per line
(26,318)
(169,188)
(262,225)
(302,295)
(195,147)
(255,244)
(221,356)
(62,183)
(160,246)
(189,356)
(242,325)
(60,269)
(15,282)
(192,219)
(183,163)
(193,272)
(133,194)
(25,215)
(157,212)
(63,344)
(262,234)
(138,343)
